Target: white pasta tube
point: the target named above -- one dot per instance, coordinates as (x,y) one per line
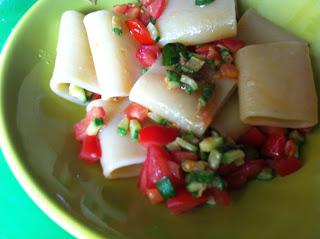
(176,105)
(255,29)
(276,86)
(121,156)
(73,65)
(182,21)
(113,55)
(228,122)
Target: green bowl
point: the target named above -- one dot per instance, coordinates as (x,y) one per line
(36,137)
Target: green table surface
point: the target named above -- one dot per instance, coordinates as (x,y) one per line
(20,217)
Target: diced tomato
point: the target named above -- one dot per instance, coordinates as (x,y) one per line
(178,156)
(133,11)
(96,96)
(253,137)
(157,164)
(156,134)
(252,168)
(232,44)
(221,197)
(227,169)
(209,51)
(268,130)
(175,172)
(306,130)
(120,8)
(147,54)
(136,111)
(156,8)
(143,183)
(290,148)
(184,201)
(154,196)
(80,128)
(285,166)
(139,31)
(229,71)
(236,180)
(274,146)
(90,150)
(144,17)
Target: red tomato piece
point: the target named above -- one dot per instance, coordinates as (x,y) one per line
(252,168)
(156,134)
(290,148)
(274,146)
(156,8)
(154,196)
(175,172)
(80,128)
(157,164)
(120,8)
(178,156)
(184,202)
(229,71)
(136,111)
(96,96)
(139,31)
(268,130)
(144,17)
(227,169)
(143,183)
(209,51)
(90,150)
(306,130)
(232,44)
(221,197)
(253,137)
(236,180)
(285,166)
(147,54)
(133,11)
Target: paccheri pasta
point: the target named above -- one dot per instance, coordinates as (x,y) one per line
(193,103)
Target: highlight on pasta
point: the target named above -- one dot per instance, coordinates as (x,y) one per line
(184,97)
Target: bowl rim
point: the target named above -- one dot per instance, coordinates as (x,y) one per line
(56,212)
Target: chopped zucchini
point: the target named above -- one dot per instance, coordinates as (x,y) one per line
(166,188)
(186,145)
(155,35)
(188,165)
(173,146)
(135,128)
(214,159)
(226,56)
(190,137)
(94,126)
(210,143)
(196,188)
(78,92)
(266,174)
(173,80)
(117,25)
(191,83)
(194,64)
(203,176)
(233,156)
(123,127)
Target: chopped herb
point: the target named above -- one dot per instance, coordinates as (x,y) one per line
(171,53)
(144,70)
(153,20)
(226,56)
(94,126)
(190,137)
(218,182)
(207,93)
(297,137)
(210,143)
(195,64)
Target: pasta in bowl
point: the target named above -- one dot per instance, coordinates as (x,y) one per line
(169,115)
